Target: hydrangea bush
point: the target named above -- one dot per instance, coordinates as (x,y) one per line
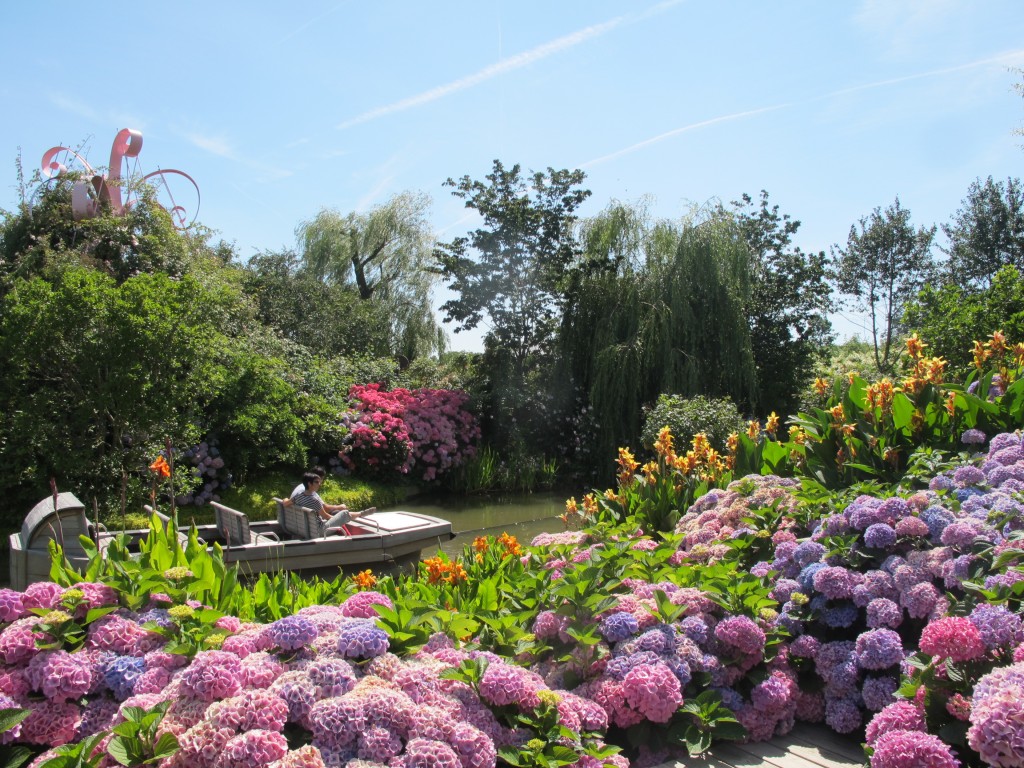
(426,432)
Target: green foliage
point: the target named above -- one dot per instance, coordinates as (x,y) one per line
(74,407)
(706,719)
(12,755)
(986,234)
(136,741)
(949,316)
(882,267)
(675,324)
(384,254)
(790,299)
(82,754)
(717,418)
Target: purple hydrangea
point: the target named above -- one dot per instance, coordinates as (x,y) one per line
(362,640)
(999,627)
(292,632)
(834,582)
(808,552)
(936,518)
(973,437)
(618,626)
(968,475)
(881,535)
(878,649)
(505,684)
(120,674)
(254,748)
(549,625)
(877,692)
(427,753)
(882,612)
(842,714)
(61,676)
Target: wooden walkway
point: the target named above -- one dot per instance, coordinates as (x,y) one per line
(806,746)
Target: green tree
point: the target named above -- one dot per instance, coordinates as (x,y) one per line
(951,316)
(790,299)
(987,233)
(97,375)
(674,322)
(386,255)
(884,264)
(327,318)
(42,234)
(511,270)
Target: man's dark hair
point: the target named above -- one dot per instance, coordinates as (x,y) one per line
(311,477)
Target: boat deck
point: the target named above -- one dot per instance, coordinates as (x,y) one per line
(807,746)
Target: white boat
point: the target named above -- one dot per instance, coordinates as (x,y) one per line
(292,542)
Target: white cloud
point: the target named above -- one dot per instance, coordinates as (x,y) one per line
(505,65)
(215,145)
(676,131)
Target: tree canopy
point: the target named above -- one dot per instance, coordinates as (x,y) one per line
(884,264)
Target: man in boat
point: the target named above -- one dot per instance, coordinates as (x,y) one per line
(310,499)
(301,487)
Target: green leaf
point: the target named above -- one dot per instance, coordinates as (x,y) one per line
(11,717)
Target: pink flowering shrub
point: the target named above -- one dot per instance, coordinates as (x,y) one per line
(426,432)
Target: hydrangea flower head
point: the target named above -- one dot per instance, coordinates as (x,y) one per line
(360,605)
(741,633)
(879,649)
(911,749)
(212,675)
(292,632)
(954,637)
(362,639)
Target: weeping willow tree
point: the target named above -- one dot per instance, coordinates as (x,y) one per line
(384,254)
(667,316)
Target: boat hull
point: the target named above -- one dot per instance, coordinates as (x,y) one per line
(382,542)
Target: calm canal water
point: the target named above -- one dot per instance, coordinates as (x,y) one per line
(522,516)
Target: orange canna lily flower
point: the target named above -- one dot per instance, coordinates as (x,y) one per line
(365,580)
(161,467)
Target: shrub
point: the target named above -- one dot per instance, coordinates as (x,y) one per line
(685,417)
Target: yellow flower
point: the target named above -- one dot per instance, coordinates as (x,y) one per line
(177,573)
(56,617)
(981,354)
(511,545)
(480,543)
(837,414)
(772,425)
(997,343)
(821,386)
(650,471)
(732,442)
(951,403)
(626,460)
(590,505)
(797,435)
(181,612)
(663,445)
(915,347)
(753,429)
(701,444)
(570,506)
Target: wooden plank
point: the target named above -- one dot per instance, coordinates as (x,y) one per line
(784,748)
(806,747)
(828,740)
(761,755)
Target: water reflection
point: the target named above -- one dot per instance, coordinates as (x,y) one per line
(523,516)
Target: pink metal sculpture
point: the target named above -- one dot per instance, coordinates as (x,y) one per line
(88,194)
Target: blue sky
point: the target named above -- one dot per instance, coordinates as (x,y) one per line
(280,109)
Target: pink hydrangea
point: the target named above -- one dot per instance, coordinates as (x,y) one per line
(42,594)
(307,756)
(202,745)
(252,748)
(426,753)
(18,641)
(474,748)
(911,526)
(378,744)
(212,675)
(504,684)
(260,670)
(901,715)
(954,637)
(122,636)
(741,633)
(360,605)
(60,675)
(51,724)
(912,749)
(11,606)
(653,690)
